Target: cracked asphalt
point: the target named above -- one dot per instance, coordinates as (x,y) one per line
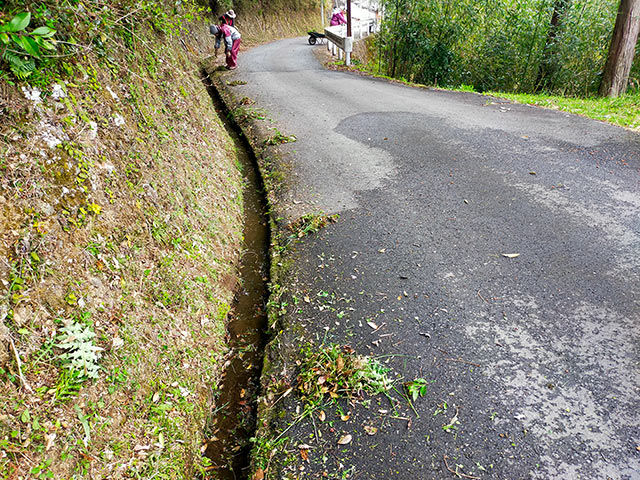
(532,362)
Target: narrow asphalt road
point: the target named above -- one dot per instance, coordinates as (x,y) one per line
(532,363)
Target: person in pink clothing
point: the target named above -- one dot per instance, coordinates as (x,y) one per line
(337,17)
(230,18)
(231,38)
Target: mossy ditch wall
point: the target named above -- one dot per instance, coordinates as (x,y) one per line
(273,166)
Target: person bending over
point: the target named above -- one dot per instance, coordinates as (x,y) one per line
(231,38)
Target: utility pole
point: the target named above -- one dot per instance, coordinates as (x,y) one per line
(349,39)
(322,11)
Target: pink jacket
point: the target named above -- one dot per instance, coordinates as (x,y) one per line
(230,35)
(338,19)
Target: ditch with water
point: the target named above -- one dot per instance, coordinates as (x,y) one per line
(234,420)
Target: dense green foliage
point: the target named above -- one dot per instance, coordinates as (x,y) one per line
(41,41)
(506,45)
(21,47)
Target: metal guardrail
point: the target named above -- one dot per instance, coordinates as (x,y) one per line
(339,43)
(336,35)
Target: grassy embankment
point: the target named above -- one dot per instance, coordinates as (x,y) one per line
(623,111)
(120,229)
(120,232)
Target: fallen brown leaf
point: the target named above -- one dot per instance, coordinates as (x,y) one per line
(339,363)
(345,439)
(49,438)
(258,475)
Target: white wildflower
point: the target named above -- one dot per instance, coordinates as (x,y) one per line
(32,94)
(108,167)
(93,130)
(113,94)
(51,140)
(118,120)
(52,136)
(58,92)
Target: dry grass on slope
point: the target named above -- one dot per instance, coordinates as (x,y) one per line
(120,217)
(260,28)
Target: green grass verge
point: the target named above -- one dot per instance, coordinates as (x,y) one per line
(623,111)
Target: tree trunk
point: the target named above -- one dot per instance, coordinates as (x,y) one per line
(623,45)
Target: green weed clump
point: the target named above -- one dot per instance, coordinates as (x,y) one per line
(335,372)
(22,47)
(81,354)
(279,138)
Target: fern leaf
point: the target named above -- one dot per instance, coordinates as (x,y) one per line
(20,66)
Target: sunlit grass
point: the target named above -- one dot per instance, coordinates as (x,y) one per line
(623,111)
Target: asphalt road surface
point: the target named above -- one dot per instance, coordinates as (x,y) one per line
(532,362)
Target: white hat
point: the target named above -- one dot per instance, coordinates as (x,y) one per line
(231,14)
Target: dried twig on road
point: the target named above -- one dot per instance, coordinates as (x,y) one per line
(455,472)
(462,361)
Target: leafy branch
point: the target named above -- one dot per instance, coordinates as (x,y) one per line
(22,48)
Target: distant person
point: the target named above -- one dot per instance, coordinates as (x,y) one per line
(230,18)
(337,17)
(231,43)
